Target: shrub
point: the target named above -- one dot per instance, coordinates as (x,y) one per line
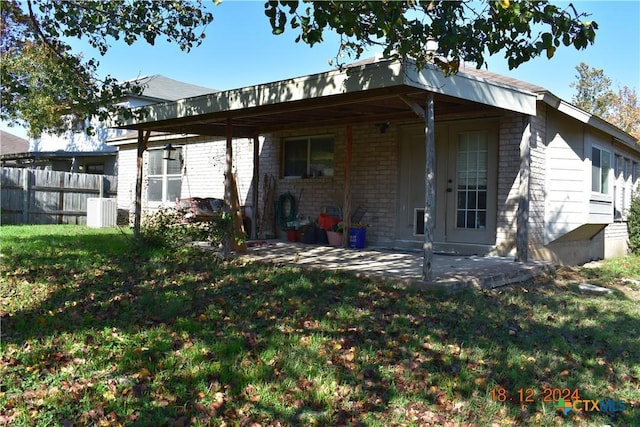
(167,228)
(633,224)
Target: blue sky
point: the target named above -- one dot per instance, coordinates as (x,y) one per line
(240,50)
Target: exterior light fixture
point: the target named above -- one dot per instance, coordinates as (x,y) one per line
(169,152)
(383,127)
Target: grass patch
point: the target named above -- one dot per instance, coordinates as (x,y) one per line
(99,331)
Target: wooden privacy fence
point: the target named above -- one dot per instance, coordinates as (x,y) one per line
(31,196)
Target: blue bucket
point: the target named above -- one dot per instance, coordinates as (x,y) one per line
(357,237)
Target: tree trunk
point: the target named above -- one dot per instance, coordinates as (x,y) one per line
(231,196)
(143,139)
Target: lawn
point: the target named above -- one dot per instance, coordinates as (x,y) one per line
(97,330)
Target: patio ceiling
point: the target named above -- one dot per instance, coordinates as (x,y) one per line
(381,106)
(379,92)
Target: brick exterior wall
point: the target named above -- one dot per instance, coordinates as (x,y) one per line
(510,135)
(616,239)
(374,181)
(373,177)
(537,177)
(512,129)
(202,174)
(204,167)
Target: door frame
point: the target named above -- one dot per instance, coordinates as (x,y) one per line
(447,237)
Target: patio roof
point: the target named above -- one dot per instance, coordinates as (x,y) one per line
(380,91)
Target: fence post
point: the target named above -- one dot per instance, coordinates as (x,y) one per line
(102,184)
(25,195)
(61,200)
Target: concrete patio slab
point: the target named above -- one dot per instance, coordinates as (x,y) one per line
(449,271)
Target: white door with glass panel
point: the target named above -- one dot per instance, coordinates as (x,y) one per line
(470,188)
(466,162)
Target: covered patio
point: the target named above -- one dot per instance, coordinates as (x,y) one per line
(450,272)
(372,93)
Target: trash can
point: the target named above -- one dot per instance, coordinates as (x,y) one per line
(357,237)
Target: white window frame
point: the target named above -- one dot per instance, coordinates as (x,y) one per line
(164,176)
(309,173)
(608,190)
(480,175)
(628,185)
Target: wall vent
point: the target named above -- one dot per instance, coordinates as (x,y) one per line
(418,222)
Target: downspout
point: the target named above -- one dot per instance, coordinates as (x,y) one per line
(256,186)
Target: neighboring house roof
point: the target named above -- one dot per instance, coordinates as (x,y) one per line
(155,89)
(10,143)
(160,88)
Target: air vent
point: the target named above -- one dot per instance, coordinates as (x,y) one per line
(418,222)
(101,212)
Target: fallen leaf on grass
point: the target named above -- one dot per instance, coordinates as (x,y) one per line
(142,374)
(480,381)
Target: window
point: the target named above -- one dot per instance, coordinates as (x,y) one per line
(472,177)
(600,167)
(635,175)
(97,168)
(628,187)
(308,157)
(165,177)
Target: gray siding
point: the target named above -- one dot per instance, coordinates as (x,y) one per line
(565,177)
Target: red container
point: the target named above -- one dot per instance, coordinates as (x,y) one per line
(327,222)
(292,235)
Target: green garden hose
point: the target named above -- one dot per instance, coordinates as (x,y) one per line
(285,218)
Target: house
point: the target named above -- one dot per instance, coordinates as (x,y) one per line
(517,170)
(14,152)
(11,144)
(77,151)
